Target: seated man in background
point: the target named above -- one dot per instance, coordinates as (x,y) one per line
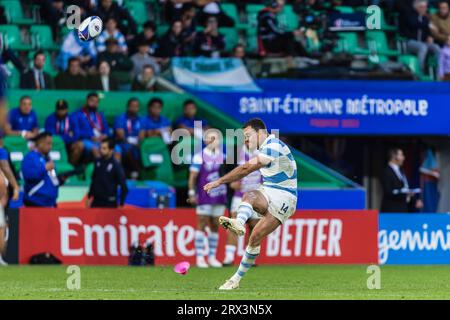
(92,126)
(22,121)
(111,31)
(61,124)
(146,80)
(107,177)
(39,174)
(129,132)
(209,43)
(102,80)
(272,38)
(187,121)
(73,78)
(36,78)
(157,125)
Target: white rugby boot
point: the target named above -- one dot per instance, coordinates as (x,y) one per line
(230,284)
(233,225)
(213,262)
(2,262)
(201,262)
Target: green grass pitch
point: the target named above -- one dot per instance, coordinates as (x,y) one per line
(262,282)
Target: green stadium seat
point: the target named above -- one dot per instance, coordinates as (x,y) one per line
(59,155)
(344,9)
(14,12)
(14,77)
(377,42)
(251,11)
(42,37)
(288,19)
(138,11)
(18,148)
(413,64)
(231,38)
(162,29)
(12,38)
(156,160)
(251,45)
(231,10)
(348,42)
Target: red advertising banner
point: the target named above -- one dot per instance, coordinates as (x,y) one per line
(103,236)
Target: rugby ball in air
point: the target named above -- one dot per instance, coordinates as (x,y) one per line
(90,28)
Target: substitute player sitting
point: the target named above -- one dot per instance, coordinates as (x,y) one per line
(275,200)
(210,206)
(248,183)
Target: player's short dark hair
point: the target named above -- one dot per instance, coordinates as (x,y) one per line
(188,102)
(392,152)
(110,142)
(41,136)
(24,97)
(92,94)
(155,100)
(256,124)
(131,100)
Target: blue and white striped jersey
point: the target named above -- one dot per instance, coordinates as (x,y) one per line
(281,172)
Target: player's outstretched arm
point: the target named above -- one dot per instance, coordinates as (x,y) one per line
(237,173)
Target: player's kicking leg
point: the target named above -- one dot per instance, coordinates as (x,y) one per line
(253,200)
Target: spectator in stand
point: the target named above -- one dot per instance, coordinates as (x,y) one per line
(111,31)
(148,35)
(61,124)
(238,52)
(440,23)
(444,62)
(39,174)
(157,125)
(108,8)
(102,80)
(397,195)
(72,46)
(22,121)
(187,121)
(73,78)
(175,8)
(209,43)
(36,78)
(273,39)
(189,29)
(107,177)
(92,126)
(212,9)
(52,13)
(415,26)
(118,61)
(130,131)
(142,58)
(146,80)
(171,44)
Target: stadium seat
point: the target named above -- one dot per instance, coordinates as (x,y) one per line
(12,38)
(14,76)
(42,37)
(348,42)
(251,43)
(156,160)
(14,12)
(230,10)
(413,64)
(377,42)
(138,11)
(231,38)
(288,19)
(251,11)
(59,155)
(18,148)
(344,9)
